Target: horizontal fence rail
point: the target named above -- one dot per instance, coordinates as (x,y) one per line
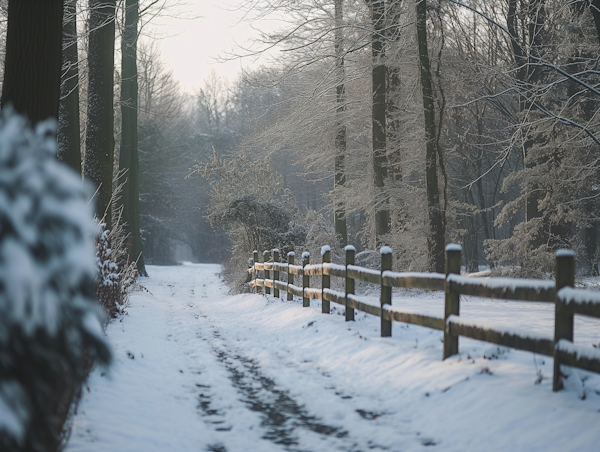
(567,300)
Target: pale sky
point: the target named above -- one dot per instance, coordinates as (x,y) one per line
(196,34)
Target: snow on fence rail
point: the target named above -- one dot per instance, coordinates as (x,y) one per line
(568,301)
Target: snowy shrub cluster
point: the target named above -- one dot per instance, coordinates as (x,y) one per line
(114,282)
(268,224)
(249,202)
(108,282)
(49,323)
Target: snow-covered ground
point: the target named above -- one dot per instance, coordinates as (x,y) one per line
(197,370)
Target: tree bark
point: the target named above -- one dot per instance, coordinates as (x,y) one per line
(382,215)
(436,239)
(69,143)
(99,142)
(128,158)
(341,229)
(33,58)
(393,95)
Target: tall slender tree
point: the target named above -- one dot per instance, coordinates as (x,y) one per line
(378,117)
(69,143)
(437,223)
(33,58)
(99,140)
(341,229)
(128,157)
(393,94)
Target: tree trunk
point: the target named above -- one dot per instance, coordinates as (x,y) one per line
(33,58)
(393,96)
(341,230)
(483,215)
(69,144)
(128,158)
(393,123)
(382,215)
(99,142)
(472,257)
(436,239)
(591,247)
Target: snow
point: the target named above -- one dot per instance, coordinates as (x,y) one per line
(291,253)
(453,247)
(296,288)
(385,250)
(349,248)
(311,293)
(506,283)
(198,370)
(305,255)
(92,325)
(564,252)
(313,267)
(335,292)
(325,249)
(578,296)
(364,271)
(391,274)
(332,266)
(578,350)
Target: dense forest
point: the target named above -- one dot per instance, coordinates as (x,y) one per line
(416,124)
(406,123)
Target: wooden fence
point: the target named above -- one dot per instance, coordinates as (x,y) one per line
(567,300)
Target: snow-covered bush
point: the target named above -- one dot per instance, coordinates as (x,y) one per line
(49,323)
(108,282)
(249,202)
(116,276)
(268,224)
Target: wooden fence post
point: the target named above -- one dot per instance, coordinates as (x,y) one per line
(386,292)
(350,252)
(290,255)
(325,279)
(275,272)
(266,258)
(452,304)
(563,319)
(305,279)
(255,254)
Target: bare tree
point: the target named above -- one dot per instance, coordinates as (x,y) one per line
(69,143)
(437,223)
(128,153)
(99,143)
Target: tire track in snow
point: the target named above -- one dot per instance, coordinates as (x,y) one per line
(283,418)
(181,383)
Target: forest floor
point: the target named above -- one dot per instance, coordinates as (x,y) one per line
(198,370)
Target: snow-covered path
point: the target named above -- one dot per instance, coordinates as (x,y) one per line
(197,370)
